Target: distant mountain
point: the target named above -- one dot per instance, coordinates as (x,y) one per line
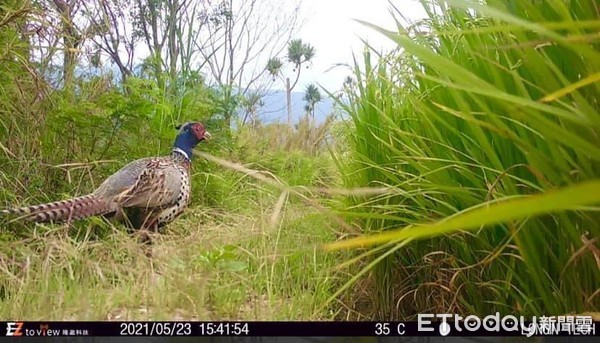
(274,109)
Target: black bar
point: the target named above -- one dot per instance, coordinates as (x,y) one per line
(306,329)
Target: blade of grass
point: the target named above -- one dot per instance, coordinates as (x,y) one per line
(567,198)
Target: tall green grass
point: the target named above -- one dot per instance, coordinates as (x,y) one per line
(480,104)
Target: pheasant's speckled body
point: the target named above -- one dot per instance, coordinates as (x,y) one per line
(148,193)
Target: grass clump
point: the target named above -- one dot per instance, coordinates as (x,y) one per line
(481,103)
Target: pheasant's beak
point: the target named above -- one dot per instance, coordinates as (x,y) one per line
(207,135)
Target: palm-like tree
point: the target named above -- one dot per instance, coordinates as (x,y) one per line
(312,96)
(274,66)
(298,53)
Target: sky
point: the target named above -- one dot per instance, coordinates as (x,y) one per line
(330,28)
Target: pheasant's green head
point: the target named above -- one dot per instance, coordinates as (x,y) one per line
(190,134)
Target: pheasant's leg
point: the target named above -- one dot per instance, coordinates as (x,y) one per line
(153,221)
(149,225)
(119,216)
(146,241)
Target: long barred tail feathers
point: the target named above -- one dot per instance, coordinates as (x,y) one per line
(70,209)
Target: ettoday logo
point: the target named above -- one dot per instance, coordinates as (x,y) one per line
(472,323)
(572,325)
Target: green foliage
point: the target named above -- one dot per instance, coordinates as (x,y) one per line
(65,143)
(299,52)
(276,150)
(298,157)
(312,96)
(274,66)
(460,119)
(60,139)
(224,258)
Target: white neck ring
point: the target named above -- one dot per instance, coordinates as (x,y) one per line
(181,152)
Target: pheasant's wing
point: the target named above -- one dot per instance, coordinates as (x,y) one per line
(148,182)
(157,186)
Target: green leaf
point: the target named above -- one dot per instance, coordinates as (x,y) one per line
(513,208)
(232,266)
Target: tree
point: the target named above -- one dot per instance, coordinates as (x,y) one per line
(298,53)
(70,35)
(157,22)
(113,33)
(58,28)
(251,103)
(238,36)
(312,96)
(225,40)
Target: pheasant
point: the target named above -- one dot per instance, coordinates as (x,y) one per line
(149,192)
